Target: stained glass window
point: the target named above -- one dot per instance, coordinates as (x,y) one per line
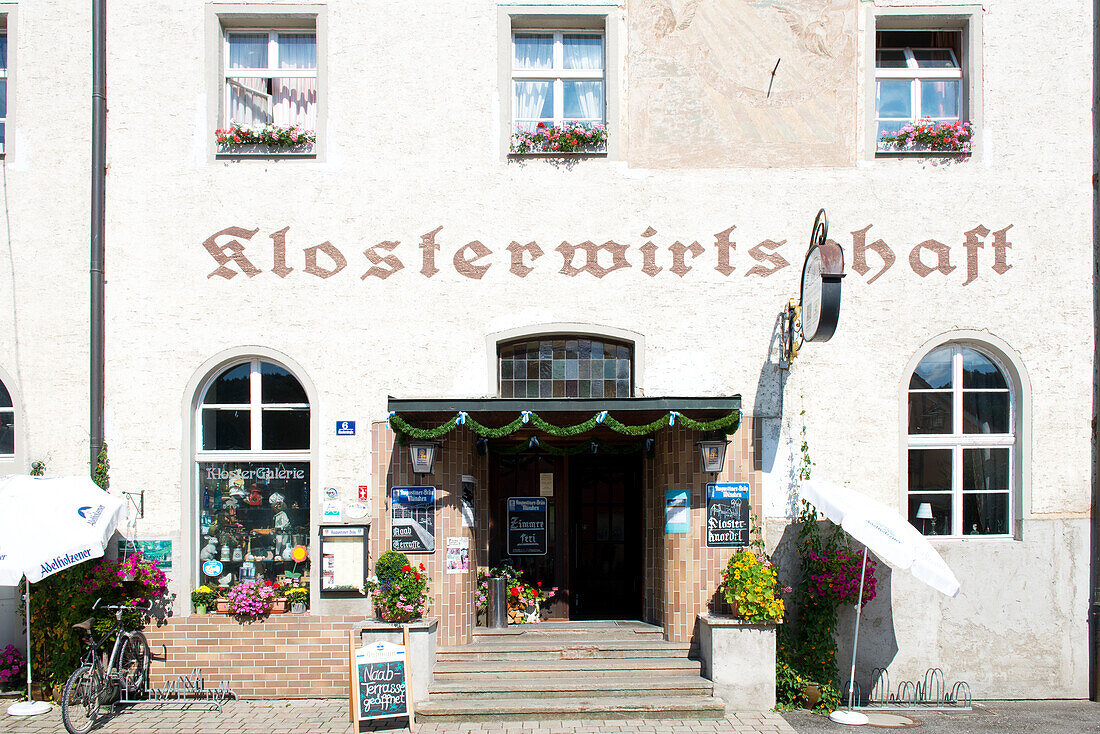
(566,367)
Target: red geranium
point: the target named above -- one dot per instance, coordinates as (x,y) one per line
(515,591)
(406,568)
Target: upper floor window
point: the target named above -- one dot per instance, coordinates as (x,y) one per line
(962,444)
(919,82)
(565,367)
(7,424)
(558,89)
(254,406)
(270,79)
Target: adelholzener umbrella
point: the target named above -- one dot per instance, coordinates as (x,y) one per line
(888,535)
(48,524)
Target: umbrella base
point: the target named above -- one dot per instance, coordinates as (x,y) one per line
(29,708)
(847,716)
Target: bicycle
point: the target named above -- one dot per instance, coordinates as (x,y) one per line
(102,680)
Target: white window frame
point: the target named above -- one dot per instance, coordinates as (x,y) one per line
(915,75)
(14,428)
(966,19)
(256,408)
(272,69)
(957,441)
(558,75)
(7,88)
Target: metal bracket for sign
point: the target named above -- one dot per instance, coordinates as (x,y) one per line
(139,503)
(931,694)
(813,317)
(790,329)
(185,690)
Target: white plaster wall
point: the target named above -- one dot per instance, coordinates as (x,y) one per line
(410,145)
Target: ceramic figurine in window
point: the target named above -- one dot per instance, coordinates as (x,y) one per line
(210,550)
(225,580)
(236,486)
(254,497)
(226,552)
(238,554)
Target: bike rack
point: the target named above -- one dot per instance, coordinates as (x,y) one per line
(185,691)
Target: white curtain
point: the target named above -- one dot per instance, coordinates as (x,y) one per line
(249,102)
(297,51)
(583,100)
(533,51)
(583,52)
(534,101)
(294,102)
(247,50)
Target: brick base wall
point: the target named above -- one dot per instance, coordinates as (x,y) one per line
(287,656)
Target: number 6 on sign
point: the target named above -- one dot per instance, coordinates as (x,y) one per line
(378,680)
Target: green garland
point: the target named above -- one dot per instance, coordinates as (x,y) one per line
(727,424)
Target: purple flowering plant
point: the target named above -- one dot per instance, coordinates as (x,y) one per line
(251,600)
(12,667)
(133,582)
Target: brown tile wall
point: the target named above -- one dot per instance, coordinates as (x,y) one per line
(452,594)
(286,656)
(682,573)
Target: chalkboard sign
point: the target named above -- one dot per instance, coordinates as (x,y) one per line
(727,515)
(527,526)
(379,680)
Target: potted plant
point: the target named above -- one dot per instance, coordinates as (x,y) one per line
(570,137)
(925,135)
(239,138)
(12,667)
(749,585)
(251,600)
(298,598)
(203,598)
(400,594)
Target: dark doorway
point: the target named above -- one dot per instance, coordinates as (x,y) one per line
(606,537)
(594,518)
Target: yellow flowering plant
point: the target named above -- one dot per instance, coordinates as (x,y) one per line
(750,586)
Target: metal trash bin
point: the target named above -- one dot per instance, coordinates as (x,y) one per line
(498,613)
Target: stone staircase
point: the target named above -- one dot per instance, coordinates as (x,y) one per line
(569,670)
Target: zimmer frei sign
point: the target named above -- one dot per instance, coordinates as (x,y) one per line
(238,250)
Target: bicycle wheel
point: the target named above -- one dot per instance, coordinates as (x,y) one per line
(80,700)
(133,665)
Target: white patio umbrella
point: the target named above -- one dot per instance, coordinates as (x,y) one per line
(890,537)
(46,526)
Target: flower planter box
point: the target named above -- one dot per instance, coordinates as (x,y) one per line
(918,149)
(739,657)
(222,607)
(280,606)
(264,150)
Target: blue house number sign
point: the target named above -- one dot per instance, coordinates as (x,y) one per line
(345,428)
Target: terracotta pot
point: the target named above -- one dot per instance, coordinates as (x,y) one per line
(222,606)
(279,606)
(811,694)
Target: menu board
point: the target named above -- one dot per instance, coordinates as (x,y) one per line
(527,526)
(727,515)
(379,680)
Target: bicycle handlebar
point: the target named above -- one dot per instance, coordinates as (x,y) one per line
(122,608)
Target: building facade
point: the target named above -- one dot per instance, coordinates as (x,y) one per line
(271,311)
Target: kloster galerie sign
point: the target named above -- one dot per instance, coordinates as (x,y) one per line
(237,250)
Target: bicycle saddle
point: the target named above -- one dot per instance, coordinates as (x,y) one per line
(86,625)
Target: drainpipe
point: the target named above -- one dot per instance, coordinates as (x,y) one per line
(1094,605)
(98,205)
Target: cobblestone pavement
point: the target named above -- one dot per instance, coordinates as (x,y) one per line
(328,716)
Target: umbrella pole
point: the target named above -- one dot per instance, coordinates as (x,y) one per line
(854,718)
(30,707)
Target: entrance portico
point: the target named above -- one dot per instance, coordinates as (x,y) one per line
(603,467)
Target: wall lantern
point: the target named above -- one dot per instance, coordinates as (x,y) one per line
(422,456)
(714,454)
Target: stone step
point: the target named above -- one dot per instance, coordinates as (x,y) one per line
(592,686)
(640,667)
(542,708)
(556,650)
(566,631)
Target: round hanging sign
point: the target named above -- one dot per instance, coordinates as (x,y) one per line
(821,275)
(212,568)
(356,510)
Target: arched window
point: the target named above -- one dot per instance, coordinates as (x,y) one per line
(565,366)
(7,425)
(962,449)
(253,465)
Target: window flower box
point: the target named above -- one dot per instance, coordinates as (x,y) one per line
(565,139)
(925,136)
(265,140)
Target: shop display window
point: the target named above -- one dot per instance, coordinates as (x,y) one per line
(253,515)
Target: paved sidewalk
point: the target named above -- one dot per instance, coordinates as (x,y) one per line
(330,716)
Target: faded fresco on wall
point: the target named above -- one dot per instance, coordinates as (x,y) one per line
(715,83)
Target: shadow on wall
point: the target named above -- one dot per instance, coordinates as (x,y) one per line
(878,644)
